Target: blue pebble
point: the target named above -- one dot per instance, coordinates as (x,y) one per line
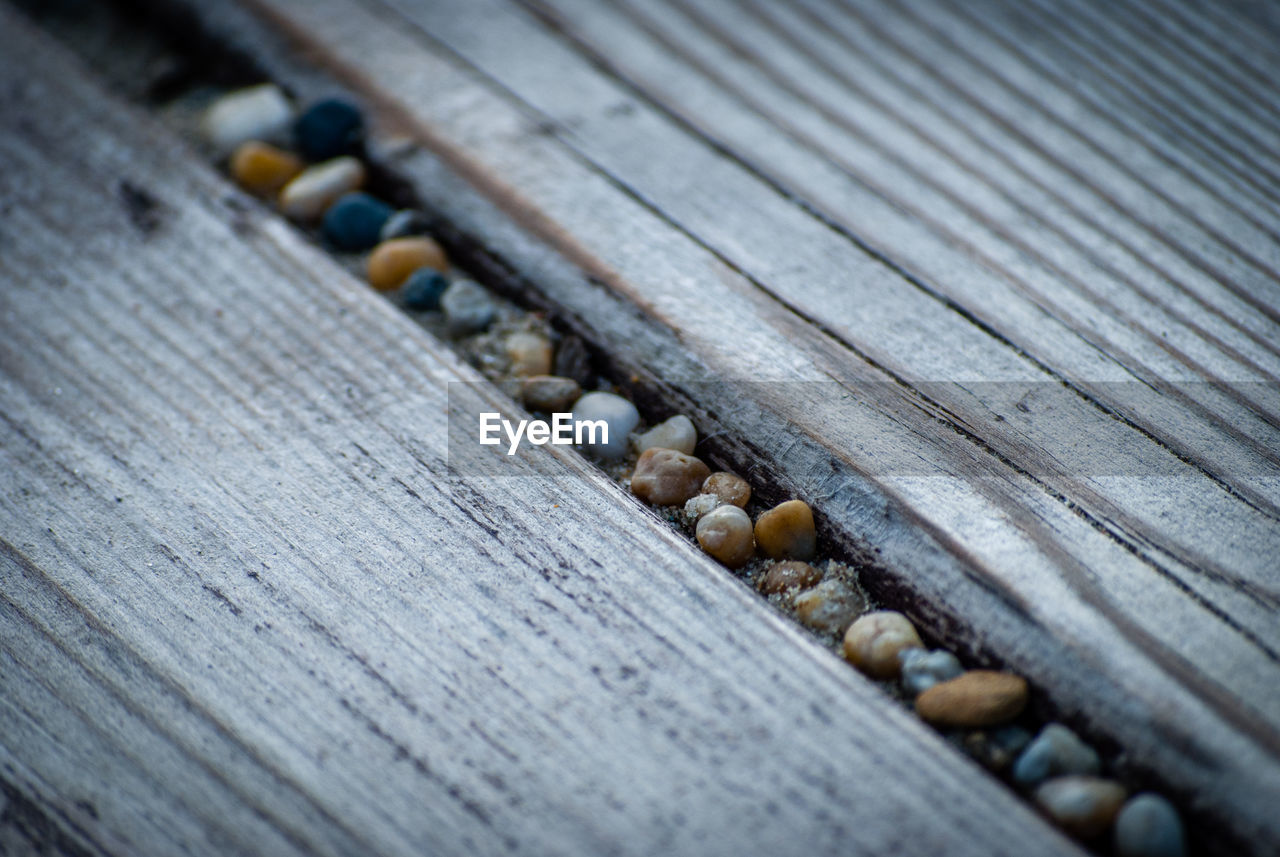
(1149,826)
(328,129)
(424,289)
(355,221)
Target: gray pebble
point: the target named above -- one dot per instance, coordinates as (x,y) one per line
(921,670)
(1056,751)
(1148,826)
(549,393)
(467,307)
(619,414)
(406,221)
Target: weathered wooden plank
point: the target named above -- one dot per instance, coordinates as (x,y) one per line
(245,608)
(1080,579)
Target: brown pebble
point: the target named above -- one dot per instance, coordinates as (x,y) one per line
(549,393)
(788,574)
(829,607)
(874,642)
(725,533)
(529,353)
(262,169)
(729,487)
(1081,805)
(977,698)
(786,531)
(665,477)
(391,262)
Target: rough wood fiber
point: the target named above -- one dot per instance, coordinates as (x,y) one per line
(246,609)
(1114,539)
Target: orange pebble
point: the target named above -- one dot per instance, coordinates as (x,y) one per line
(263,169)
(391,262)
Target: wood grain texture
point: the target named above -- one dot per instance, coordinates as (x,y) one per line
(1091,501)
(247,608)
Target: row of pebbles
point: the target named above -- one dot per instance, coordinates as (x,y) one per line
(308,163)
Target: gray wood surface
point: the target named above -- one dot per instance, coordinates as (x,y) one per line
(1053,323)
(246,607)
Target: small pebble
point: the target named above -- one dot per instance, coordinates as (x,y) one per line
(423,289)
(700,505)
(874,642)
(573,360)
(1082,806)
(995,749)
(1149,826)
(467,306)
(786,531)
(676,433)
(354,221)
(726,534)
(327,129)
(667,477)
(1055,751)
(529,353)
(315,188)
(405,222)
(549,393)
(391,262)
(257,113)
(830,607)
(921,670)
(262,169)
(976,698)
(621,417)
(788,574)
(729,487)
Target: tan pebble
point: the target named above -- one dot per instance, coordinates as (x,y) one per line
(829,607)
(262,169)
(1083,806)
(788,574)
(665,477)
(529,353)
(677,433)
(314,189)
(977,698)
(725,533)
(874,642)
(549,393)
(729,487)
(392,261)
(786,531)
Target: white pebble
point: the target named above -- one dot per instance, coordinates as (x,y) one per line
(315,188)
(621,417)
(257,113)
(700,505)
(676,433)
